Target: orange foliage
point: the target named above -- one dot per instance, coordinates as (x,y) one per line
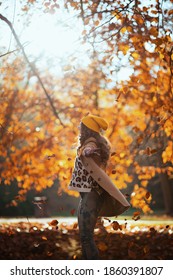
(35,147)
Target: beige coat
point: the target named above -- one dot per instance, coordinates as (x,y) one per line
(114,201)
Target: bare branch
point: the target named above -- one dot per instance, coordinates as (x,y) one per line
(8,53)
(82,11)
(32,68)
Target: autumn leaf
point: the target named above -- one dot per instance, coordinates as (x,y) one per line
(136,216)
(75,225)
(153,151)
(53,223)
(66,245)
(135,55)
(116,225)
(136,213)
(136,129)
(123,30)
(139,139)
(44,238)
(72,212)
(102,246)
(148,194)
(154,31)
(112,26)
(49,254)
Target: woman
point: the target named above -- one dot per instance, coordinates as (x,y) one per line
(99,196)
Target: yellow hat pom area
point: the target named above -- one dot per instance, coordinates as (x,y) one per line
(94,122)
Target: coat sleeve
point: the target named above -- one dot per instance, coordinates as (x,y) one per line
(88,149)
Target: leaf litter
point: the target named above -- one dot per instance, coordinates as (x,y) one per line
(115,240)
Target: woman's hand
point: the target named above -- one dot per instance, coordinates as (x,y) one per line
(87,152)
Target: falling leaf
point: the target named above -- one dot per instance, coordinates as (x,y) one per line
(137,213)
(72,211)
(136,216)
(115,225)
(44,238)
(75,225)
(74,257)
(148,194)
(53,223)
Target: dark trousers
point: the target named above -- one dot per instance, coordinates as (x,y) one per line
(89,207)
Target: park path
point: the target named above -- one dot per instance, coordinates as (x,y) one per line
(155,220)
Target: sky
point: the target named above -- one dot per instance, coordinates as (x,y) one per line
(52,40)
(46,37)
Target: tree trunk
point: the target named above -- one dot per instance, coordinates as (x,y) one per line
(167,193)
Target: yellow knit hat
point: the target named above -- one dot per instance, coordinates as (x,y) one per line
(94,122)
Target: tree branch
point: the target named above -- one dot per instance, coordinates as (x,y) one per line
(32,68)
(8,53)
(82,11)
